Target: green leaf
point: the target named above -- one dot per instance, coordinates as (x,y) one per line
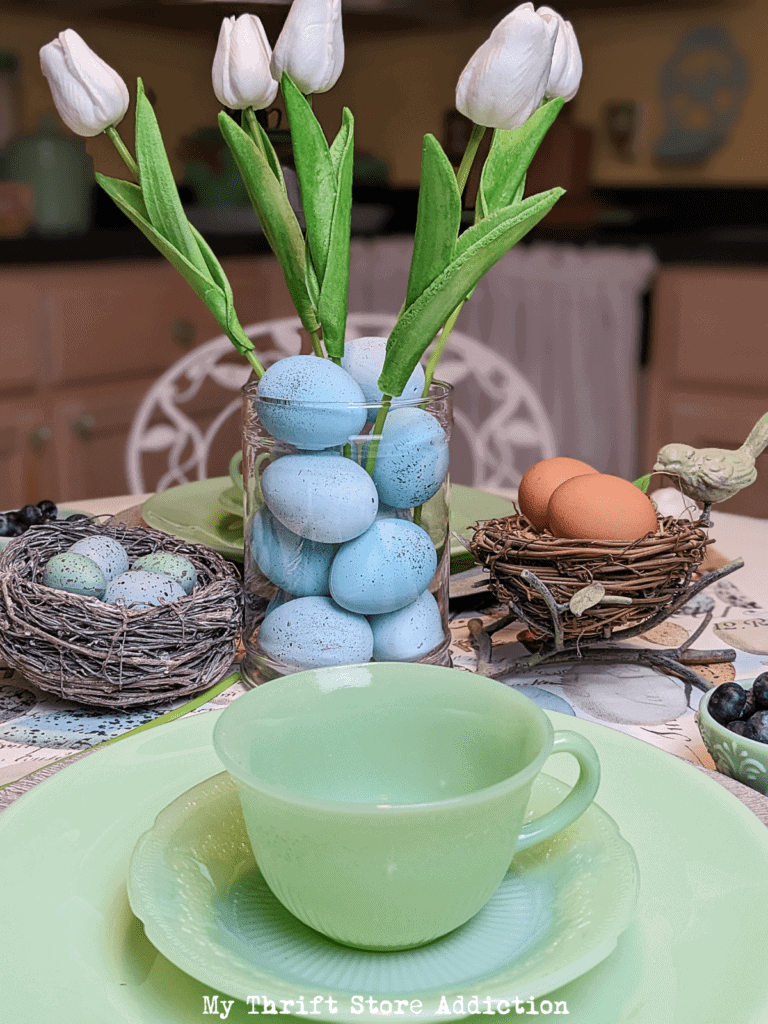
(271,155)
(163,205)
(277,218)
(643,482)
(339,144)
(511,152)
(438,219)
(315,171)
(231,324)
(334,288)
(418,325)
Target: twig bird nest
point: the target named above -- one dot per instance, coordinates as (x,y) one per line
(652,571)
(108,655)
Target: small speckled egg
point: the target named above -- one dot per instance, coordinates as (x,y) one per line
(138,588)
(599,506)
(411,458)
(384,569)
(108,553)
(293,563)
(539,482)
(408,633)
(322,499)
(312,632)
(167,563)
(364,359)
(310,412)
(75,573)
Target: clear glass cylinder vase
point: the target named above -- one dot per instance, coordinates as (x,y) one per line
(347,551)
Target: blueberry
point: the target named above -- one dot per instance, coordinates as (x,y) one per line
(757,727)
(726,702)
(31,515)
(48,508)
(760,690)
(750,707)
(17,524)
(6,527)
(738,727)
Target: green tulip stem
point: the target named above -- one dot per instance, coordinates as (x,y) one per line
(378,426)
(253,128)
(122,149)
(478,131)
(434,359)
(317,345)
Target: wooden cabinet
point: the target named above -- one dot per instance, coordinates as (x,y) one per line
(80,345)
(708,376)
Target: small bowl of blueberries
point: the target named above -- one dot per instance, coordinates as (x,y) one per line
(15,522)
(733,722)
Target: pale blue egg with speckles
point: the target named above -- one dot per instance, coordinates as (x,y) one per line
(386,568)
(315,403)
(312,632)
(75,573)
(364,359)
(139,588)
(291,562)
(408,633)
(411,459)
(322,499)
(108,553)
(168,563)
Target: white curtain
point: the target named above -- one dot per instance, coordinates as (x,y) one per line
(568,318)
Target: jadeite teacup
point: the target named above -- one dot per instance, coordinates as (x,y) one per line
(385,802)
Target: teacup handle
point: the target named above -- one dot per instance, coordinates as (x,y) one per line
(577,801)
(234,470)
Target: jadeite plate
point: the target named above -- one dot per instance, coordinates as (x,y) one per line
(204,512)
(72,952)
(195,885)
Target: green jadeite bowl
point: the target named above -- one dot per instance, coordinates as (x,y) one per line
(741,759)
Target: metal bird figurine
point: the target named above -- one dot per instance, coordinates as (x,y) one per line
(714,474)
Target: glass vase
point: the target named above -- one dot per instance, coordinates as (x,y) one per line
(347,552)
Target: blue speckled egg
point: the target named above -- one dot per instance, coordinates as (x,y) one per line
(311,412)
(312,632)
(138,588)
(75,573)
(408,633)
(322,499)
(384,569)
(291,562)
(363,359)
(411,459)
(108,553)
(168,563)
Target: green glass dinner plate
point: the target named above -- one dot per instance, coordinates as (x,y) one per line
(206,907)
(72,952)
(205,512)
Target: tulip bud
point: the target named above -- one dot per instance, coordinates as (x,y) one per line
(241,75)
(89,95)
(504,81)
(311,45)
(565,74)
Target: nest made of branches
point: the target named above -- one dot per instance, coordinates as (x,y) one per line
(652,571)
(85,650)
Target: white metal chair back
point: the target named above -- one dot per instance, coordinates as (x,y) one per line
(517,419)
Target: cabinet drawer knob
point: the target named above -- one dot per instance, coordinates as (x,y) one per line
(39,438)
(183,331)
(84,426)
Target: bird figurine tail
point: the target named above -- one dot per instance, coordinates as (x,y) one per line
(757,441)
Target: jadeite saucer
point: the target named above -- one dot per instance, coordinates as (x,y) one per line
(194,884)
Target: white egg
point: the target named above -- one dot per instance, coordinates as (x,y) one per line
(408,633)
(386,568)
(138,588)
(364,359)
(312,632)
(108,553)
(411,458)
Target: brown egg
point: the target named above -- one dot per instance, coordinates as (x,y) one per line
(540,481)
(600,507)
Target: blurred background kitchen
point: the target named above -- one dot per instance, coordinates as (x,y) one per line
(636,309)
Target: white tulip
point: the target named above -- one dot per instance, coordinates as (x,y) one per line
(89,95)
(504,81)
(311,45)
(565,74)
(241,75)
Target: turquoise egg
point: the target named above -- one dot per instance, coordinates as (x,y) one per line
(74,573)
(411,458)
(312,632)
(318,403)
(408,633)
(323,499)
(139,588)
(386,568)
(167,563)
(363,359)
(292,563)
(108,553)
